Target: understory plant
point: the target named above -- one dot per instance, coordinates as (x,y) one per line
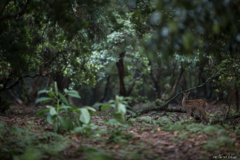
(118,106)
(61,114)
(23,144)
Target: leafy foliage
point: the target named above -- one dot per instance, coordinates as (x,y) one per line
(63,116)
(23,144)
(118,106)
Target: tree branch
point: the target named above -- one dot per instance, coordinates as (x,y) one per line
(2,9)
(154,89)
(15,14)
(106,89)
(133,84)
(14,84)
(177,81)
(164,106)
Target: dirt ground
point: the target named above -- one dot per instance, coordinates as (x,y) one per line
(147,142)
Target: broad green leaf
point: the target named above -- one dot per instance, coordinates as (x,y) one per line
(51,94)
(73,107)
(48,106)
(49,119)
(55,127)
(111,101)
(113,105)
(118,116)
(97,105)
(104,107)
(74,95)
(63,98)
(53,111)
(64,107)
(62,122)
(85,116)
(69,123)
(90,108)
(43,91)
(41,99)
(122,108)
(71,91)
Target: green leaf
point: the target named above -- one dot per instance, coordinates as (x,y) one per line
(41,99)
(74,95)
(111,101)
(48,106)
(49,119)
(69,124)
(63,98)
(85,116)
(104,107)
(90,108)
(55,127)
(117,116)
(96,105)
(51,94)
(133,113)
(43,91)
(62,122)
(122,108)
(53,111)
(64,107)
(40,111)
(70,91)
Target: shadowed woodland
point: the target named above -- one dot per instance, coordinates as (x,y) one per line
(119,79)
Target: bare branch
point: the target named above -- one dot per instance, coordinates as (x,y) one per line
(14,84)
(133,84)
(144,78)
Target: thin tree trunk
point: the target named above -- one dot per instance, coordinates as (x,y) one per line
(35,85)
(237,99)
(155,81)
(177,81)
(120,67)
(106,89)
(96,93)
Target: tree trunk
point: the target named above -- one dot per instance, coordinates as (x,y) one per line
(156,80)
(35,85)
(120,67)
(96,92)
(237,99)
(106,89)
(177,81)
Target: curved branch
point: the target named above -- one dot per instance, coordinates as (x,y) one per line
(14,84)
(150,86)
(133,84)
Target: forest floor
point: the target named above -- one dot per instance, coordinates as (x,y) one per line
(141,138)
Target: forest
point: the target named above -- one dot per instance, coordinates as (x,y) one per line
(119,79)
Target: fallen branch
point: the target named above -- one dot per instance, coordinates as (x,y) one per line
(164,106)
